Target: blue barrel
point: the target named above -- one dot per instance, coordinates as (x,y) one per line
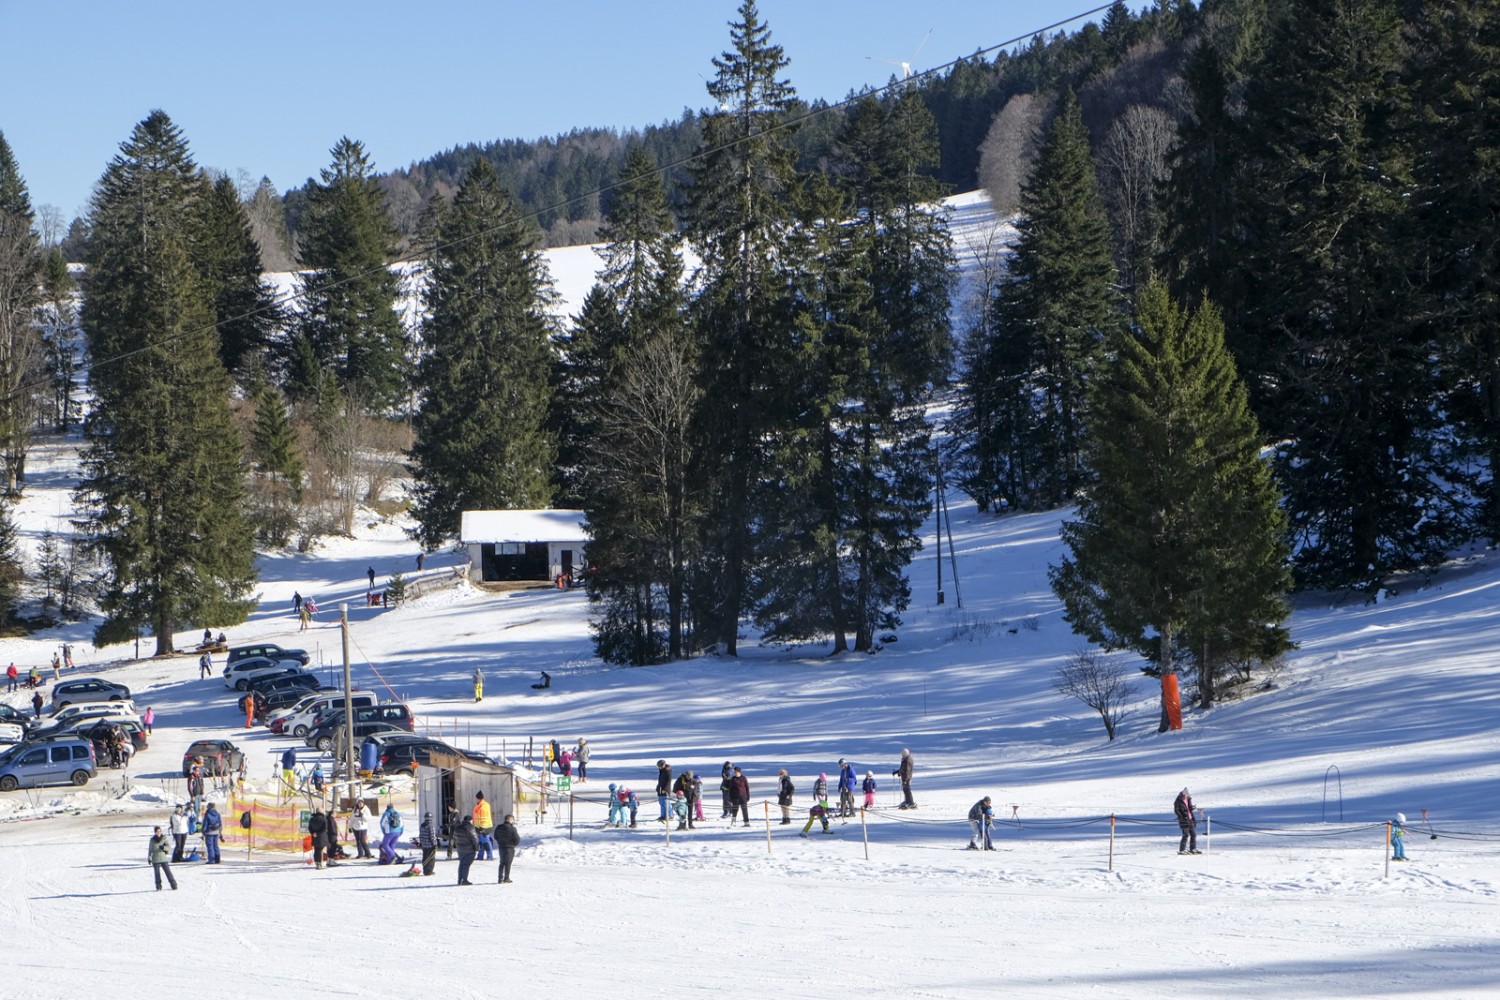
(369,755)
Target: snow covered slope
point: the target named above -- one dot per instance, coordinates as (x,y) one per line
(1385,707)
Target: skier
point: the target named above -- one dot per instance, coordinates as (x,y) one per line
(869,789)
(1187,822)
(818,812)
(678,808)
(904,771)
(820,787)
(847,780)
(617,797)
(317,827)
(289,769)
(784,792)
(634,804)
(697,797)
(1398,838)
(478,684)
(565,763)
(688,789)
(981,818)
(391,829)
(317,778)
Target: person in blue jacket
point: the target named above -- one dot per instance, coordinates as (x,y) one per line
(1398,838)
(213,827)
(391,830)
(848,780)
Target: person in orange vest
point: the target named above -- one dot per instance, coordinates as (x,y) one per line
(249,709)
(484,825)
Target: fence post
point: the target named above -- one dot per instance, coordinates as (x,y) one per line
(767,804)
(1208,834)
(864,832)
(1111,841)
(1387,849)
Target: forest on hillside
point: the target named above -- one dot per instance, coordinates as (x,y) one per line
(1247,329)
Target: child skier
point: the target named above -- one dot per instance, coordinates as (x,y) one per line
(680,810)
(869,788)
(618,798)
(1398,838)
(816,813)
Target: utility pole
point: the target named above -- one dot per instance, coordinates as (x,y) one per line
(348,748)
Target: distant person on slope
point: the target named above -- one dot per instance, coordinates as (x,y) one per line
(390,829)
(688,789)
(740,801)
(784,792)
(726,789)
(478,684)
(904,771)
(581,755)
(981,818)
(663,788)
(818,812)
(847,780)
(508,839)
(1187,822)
(869,789)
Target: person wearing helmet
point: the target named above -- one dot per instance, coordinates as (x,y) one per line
(1398,838)
(1187,822)
(616,806)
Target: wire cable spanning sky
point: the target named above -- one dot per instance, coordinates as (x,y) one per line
(268,88)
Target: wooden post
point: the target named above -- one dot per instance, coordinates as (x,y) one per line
(767,804)
(864,831)
(1111,841)
(1208,834)
(1387,849)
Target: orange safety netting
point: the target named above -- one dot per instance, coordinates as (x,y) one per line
(275,825)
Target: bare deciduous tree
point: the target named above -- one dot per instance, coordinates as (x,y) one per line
(1134,158)
(1099,682)
(1009,151)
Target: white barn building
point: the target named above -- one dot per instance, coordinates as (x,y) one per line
(523,544)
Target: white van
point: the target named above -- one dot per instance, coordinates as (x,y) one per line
(299,723)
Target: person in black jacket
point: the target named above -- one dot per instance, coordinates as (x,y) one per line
(508,838)
(904,771)
(331,839)
(468,846)
(427,839)
(784,792)
(317,828)
(663,788)
(688,786)
(1187,822)
(726,790)
(741,796)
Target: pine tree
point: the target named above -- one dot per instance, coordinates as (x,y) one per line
(58,326)
(162,491)
(1329,263)
(277,479)
(631,378)
(246,311)
(12,573)
(739,217)
(21,269)
(484,381)
(1455,73)
(1178,541)
(349,323)
(1026,394)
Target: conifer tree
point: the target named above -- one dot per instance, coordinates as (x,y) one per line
(21,269)
(162,490)
(1179,542)
(58,327)
(1027,390)
(277,482)
(349,323)
(1329,261)
(246,311)
(1455,73)
(739,218)
(632,373)
(12,573)
(481,440)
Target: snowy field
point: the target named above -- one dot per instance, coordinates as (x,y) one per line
(1385,707)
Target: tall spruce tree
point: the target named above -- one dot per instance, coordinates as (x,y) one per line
(277,482)
(1179,544)
(740,214)
(1026,393)
(855,480)
(632,366)
(162,491)
(484,381)
(349,322)
(246,310)
(21,270)
(1348,373)
(1454,71)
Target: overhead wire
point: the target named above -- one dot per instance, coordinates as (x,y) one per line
(661,170)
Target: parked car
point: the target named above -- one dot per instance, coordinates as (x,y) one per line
(265,704)
(70,717)
(239,673)
(12,714)
(268,684)
(99,729)
(393,712)
(11,733)
(324,736)
(300,722)
(66,693)
(219,757)
(53,762)
(402,755)
(265,650)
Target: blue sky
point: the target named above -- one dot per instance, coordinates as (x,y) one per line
(268,87)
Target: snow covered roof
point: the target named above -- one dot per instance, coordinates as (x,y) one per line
(522,526)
